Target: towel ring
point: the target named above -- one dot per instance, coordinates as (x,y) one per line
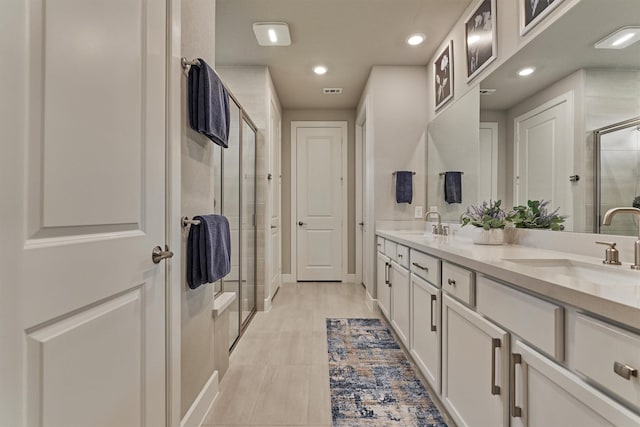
(186,222)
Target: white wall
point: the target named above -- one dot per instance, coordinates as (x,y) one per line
(197,188)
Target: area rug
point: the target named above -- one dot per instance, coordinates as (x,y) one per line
(371,381)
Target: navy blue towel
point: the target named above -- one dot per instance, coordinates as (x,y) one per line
(208,104)
(453,187)
(208,250)
(404,187)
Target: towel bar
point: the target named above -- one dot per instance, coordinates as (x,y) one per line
(187,222)
(442,173)
(393,173)
(186,63)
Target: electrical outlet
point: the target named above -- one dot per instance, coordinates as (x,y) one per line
(418,212)
(433,208)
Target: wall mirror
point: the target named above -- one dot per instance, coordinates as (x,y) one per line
(547,120)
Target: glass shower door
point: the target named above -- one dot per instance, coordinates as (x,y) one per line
(248,229)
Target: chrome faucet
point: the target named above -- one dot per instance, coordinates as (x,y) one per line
(438,230)
(606,220)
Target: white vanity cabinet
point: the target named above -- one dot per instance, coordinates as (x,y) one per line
(383,290)
(425,329)
(475,355)
(400,301)
(546,395)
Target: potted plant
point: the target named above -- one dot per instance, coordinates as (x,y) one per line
(489,220)
(536,215)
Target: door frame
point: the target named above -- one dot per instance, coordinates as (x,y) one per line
(361,134)
(294,197)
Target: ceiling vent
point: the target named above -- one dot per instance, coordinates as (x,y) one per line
(332,91)
(487,91)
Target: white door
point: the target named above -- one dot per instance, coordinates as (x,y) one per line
(544,157)
(548,395)
(383,290)
(87,327)
(400,301)
(475,356)
(275,265)
(488,162)
(319,203)
(425,341)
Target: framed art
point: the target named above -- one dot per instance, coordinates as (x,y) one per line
(480,37)
(534,11)
(443,75)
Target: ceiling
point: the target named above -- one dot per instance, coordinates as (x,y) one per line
(565,47)
(348,36)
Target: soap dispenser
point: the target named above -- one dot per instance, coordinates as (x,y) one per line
(610,254)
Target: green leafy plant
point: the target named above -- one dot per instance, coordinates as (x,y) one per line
(487,215)
(536,215)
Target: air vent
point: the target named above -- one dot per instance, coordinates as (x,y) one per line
(332,91)
(487,91)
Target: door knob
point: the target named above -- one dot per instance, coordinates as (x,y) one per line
(361,224)
(158,254)
(300,223)
(274,226)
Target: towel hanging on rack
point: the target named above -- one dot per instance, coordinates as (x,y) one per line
(208,104)
(404,186)
(453,187)
(208,250)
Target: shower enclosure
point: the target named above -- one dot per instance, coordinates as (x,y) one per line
(235,198)
(617,175)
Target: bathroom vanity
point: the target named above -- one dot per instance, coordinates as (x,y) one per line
(514,335)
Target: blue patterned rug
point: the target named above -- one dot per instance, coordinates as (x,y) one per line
(371,381)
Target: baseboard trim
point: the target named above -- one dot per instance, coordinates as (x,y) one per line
(288,278)
(371,303)
(200,408)
(351,278)
(267,305)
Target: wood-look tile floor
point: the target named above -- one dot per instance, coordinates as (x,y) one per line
(279,373)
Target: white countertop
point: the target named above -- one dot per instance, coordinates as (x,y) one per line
(619,302)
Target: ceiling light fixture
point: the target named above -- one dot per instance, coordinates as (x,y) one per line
(320,69)
(272,33)
(526,71)
(415,39)
(620,39)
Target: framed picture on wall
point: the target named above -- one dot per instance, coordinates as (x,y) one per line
(480,37)
(534,11)
(443,75)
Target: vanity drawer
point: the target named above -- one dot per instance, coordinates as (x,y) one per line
(458,282)
(601,349)
(402,256)
(390,249)
(425,266)
(539,322)
(380,244)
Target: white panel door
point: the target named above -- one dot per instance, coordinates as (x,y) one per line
(275,265)
(319,203)
(544,153)
(383,291)
(90,313)
(488,162)
(400,301)
(425,329)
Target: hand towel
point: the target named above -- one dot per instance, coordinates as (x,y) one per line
(453,187)
(208,104)
(208,250)
(404,186)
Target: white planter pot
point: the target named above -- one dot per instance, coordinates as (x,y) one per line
(494,236)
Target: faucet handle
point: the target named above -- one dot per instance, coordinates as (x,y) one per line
(610,254)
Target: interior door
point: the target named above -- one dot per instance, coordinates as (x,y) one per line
(275,184)
(319,203)
(488,162)
(544,157)
(90,311)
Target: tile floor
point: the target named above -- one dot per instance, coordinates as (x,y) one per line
(279,373)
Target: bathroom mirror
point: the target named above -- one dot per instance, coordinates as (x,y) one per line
(581,89)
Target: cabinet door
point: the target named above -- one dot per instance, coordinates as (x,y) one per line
(383,292)
(547,395)
(474,367)
(425,329)
(400,307)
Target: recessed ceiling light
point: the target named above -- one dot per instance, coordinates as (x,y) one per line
(320,69)
(272,33)
(415,39)
(620,39)
(526,71)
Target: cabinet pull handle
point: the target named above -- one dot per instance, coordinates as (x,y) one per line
(399,255)
(386,273)
(433,325)
(451,282)
(495,343)
(625,371)
(389,274)
(421,267)
(516,411)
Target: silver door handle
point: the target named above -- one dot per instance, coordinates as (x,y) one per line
(433,324)
(421,267)
(495,343)
(300,223)
(158,254)
(516,411)
(625,371)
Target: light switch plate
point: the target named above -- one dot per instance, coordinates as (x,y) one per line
(417,212)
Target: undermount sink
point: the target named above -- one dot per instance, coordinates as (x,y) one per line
(601,274)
